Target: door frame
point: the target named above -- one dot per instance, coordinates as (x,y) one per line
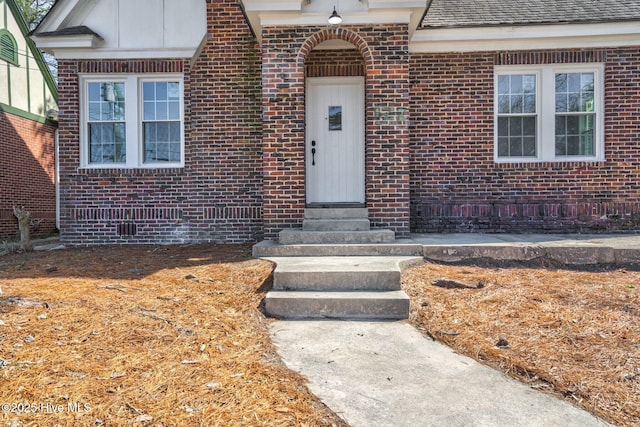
(334,81)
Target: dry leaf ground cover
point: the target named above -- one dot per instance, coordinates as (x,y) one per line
(572,333)
(157,336)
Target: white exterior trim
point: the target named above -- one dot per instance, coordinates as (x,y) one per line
(353,12)
(546,111)
(272,19)
(123,53)
(133,120)
(526,37)
(53,43)
(64,13)
(170,29)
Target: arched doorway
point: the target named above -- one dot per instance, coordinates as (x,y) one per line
(335,125)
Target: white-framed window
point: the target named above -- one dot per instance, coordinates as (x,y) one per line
(549,113)
(132,121)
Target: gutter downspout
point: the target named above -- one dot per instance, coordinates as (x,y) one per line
(57,180)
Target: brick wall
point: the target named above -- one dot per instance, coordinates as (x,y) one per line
(27,174)
(334,63)
(217,196)
(285,52)
(455,184)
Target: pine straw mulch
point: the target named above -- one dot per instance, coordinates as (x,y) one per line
(572,333)
(148,336)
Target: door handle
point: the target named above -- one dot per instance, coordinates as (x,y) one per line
(313,153)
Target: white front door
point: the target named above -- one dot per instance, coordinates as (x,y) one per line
(335,140)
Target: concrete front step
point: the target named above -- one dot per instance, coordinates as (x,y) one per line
(357,287)
(389,305)
(335,213)
(293,237)
(340,273)
(345,224)
(269,248)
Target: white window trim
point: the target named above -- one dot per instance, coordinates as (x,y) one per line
(133,120)
(546,111)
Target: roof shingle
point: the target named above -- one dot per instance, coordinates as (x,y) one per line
(71,31)
(471,13)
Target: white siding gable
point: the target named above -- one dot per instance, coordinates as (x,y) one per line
(24,88)
(133,28)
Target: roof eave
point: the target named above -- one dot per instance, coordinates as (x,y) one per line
(525,37)
(53,43)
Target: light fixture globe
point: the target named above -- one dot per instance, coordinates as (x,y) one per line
(335,19)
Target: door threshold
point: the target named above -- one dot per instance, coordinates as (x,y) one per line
(335,205)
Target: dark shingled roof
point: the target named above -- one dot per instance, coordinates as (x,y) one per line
(71,31)
(473,13)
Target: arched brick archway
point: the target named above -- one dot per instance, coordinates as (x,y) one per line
(335,34)
(384,49)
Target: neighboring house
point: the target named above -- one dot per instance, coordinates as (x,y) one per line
(27,137)
(221,120)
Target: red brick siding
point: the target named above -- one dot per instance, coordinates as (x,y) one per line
(455,184)
(334,63)
(27,174)
(217,196)
(385,53)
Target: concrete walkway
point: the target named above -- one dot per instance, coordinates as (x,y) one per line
(389,374)
(576,249)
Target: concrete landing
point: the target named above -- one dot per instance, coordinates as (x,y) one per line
(294,237)
(387,374)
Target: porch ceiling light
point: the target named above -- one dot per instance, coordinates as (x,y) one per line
(335,19)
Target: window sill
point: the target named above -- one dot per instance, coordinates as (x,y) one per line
(565,164)
(130,171)
(553,161)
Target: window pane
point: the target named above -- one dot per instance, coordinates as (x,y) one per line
(162,141)
(516,103)
(118,111)
(517,94)
(515,126)
(529,147)
(573,82)
(161,91)
(561,102)
(173,89)
(161,111)
(174,132)
(95,93)
(161,122)
(105,117)
(517,136)
(149,111)
(529,104)
(575,92)
(106,102)
(162,132)
(503,147)
(515,147)
(503,104)
(94,111)
(148,91)
(174,110)
(529,83)
(575,135)
(107,142)
(529,126)
(503,126)
(516,84)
